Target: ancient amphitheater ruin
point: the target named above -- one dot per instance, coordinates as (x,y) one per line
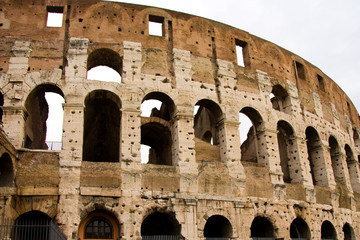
(295,177)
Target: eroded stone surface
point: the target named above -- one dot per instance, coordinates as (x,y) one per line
(199,170)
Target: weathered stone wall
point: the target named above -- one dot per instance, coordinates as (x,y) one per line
(192,63)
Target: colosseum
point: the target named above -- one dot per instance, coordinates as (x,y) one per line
(180,171)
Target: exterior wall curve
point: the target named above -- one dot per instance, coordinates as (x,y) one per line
(193,61)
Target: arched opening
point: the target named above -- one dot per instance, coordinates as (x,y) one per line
(336,163)
(280,99)
(217,227)
(1,110)
(99,225)
(104,65)
(156,129)
(159,224)
(7,175)
(35,225)
(299,229)
(328,231)
(44,103)
(261,227)
(206,121)
(352,167)
(158,138)
(348,231)
(250,148)
(315,157)
(102,118)
(287,149)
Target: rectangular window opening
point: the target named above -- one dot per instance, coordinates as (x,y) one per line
(240,52)
(300,70)
(54,16)
(156,25)
(321,82)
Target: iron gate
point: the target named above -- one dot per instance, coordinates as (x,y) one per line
(30,229)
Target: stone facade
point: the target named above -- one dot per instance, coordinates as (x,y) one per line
(296,176)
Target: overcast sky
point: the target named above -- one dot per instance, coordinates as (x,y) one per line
(323,32)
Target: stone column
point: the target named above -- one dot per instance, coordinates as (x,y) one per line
(69,171)
(189,230)
(230,153)
(184,148)
(132,169)
(304,175)
(72,139)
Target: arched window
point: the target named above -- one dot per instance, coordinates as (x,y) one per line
(280,99)
(336,163)
(160,224)
(43,104)
(217,226)
(299,229)
(288,151)
(316,157)
(206,121)
(251,148)
(348,231)
(261,227)
(6,171)
(98,228)
(156,129)
(104,65)
(102,127)
(328,231)
(99,225)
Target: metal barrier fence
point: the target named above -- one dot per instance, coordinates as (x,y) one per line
(30,229)
(161,237)
(54,145)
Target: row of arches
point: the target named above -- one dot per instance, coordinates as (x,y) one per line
(102,126)
(104,225)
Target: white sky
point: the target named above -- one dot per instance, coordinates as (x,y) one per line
(323,32)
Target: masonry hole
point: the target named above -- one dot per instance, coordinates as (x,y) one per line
(299,70)
(156,25)
(104,65)
(102,119)
(321,83)
(217,227)
(43,126)
(241,52)
(54,16)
